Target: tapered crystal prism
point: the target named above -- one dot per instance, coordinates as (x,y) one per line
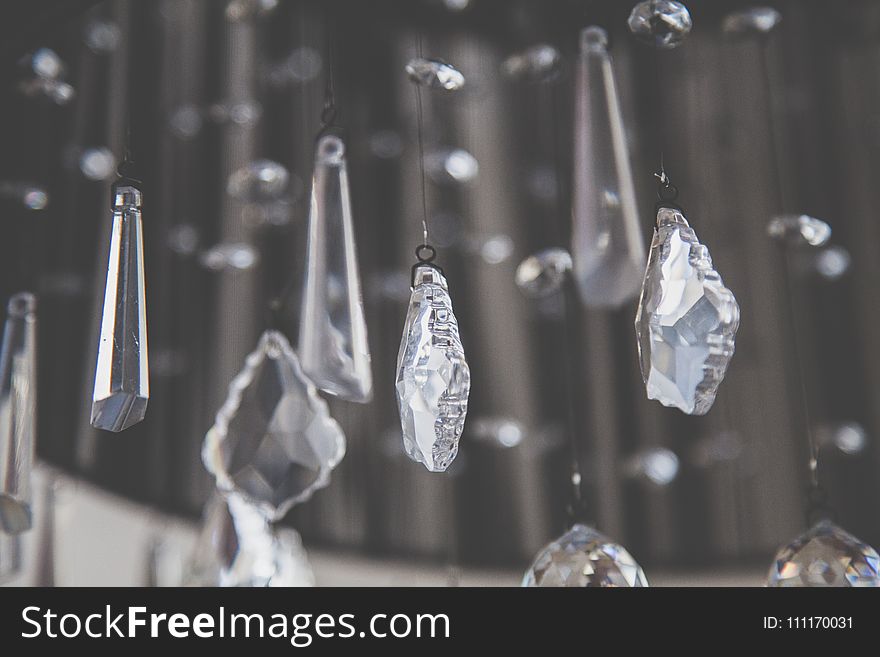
(583,557)
(825,556)
(608,251)
(433,378)
(333,347)
(18,413)
(122,386)
(273,440)
(687,320)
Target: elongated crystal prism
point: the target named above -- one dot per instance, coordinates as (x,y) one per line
(122,386)
(433,378)
(687,320)
(583,557)
(18,413)
(608,252)
(825,556)
(273,441)
(333,345)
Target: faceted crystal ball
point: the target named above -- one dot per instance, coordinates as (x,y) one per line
(661,23)
(582,557)
(826,555)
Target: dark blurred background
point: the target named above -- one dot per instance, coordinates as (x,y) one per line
(205,88)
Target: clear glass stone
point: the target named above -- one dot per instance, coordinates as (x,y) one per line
(273,440)
(825,556)
(661,23)
(799,230)
(122,385)
(10,557)
(454,165)
(238,547)
(260,181)
(433,379)
(434,74)
(754,20)
(538,63)
(543,273)
(333,346)
(582,557)
(608,251)
(18,413)
(687,320)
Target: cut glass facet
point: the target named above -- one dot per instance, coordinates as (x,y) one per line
(826,555)
(661,23)
(583,557)
(608,252)
(333,345)
(433,379)
(273,441)
(122,386)
(434,74)
(687,320)
(18,413)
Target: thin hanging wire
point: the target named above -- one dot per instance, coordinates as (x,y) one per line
(421,141)
(329,112)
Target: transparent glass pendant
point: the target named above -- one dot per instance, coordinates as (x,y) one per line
(18,413)
(433,378)
(122,386)
(582,557)
(333,344)
(825,556)
(608,252)
(687,320)
(273,440)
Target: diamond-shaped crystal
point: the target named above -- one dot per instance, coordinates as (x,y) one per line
(826,555)
(686,321)
(434,74)
(433,379)
(122,385)
(583,557)
(273,441)
(662,23)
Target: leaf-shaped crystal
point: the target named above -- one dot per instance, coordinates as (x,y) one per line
(826,555)
(273,440)
(583,557)
(687,320)
(433,379)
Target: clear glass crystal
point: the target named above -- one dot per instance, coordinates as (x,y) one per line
(607,247)
(543,273)
(753,20)
(433,379)
(97,163)
(538,63)
(661,23)
(122,386)
(687,320)
(582,557)
(453,165)
(238,547)
(28,195)
(18,413)
(229,256)
(333,345)
(261,181)
(825,555)
(273,440)
(833,262)
(434,74)
(799,230)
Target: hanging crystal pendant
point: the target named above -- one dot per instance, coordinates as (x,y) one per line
(687,320)
(273,440)
(607,248)
(122,386)
(333,344)
(583,557)
(825,555)
(18,413)
(433,379)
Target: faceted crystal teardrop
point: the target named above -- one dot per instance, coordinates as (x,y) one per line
(18,413)
(687,320)
(333,344)
(122,386)
(607,248)
(825,555)
(582,557)
(273,440)
(433,379)
(661,23)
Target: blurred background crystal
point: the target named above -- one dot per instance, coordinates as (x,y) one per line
(833,262)
(102,36)
(453,165)
(28,195)
(258,182)
(44,78)
(661,23)
(539,63)
(799,230)
(301,65)
(496,431)
(244,113)
(434,74)
(495,249)
(97,163)
(186,121)
(229,256)
(543,273)
(848,437)
(183,239)
(386,144)
(656,465)
(753,20)
(238,10)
